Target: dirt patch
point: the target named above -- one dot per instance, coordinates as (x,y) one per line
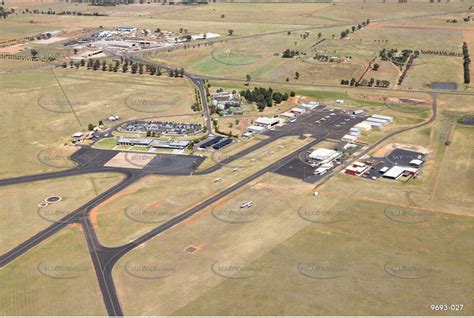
(130,160)
(51,40)
(12,49)
(397,100)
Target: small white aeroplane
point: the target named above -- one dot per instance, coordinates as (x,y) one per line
(246,204)
(217,179)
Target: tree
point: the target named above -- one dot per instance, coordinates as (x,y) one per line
(90,127)
(230,31)
(376,67)
(248,77)
(34,53)
(297,75)
(96,65)
(320,35)
(134,68)
(101,123)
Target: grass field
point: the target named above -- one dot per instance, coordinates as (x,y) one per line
(355,244)
(430,69)
(55,278)
(37,109)
(457,169)
(20,216)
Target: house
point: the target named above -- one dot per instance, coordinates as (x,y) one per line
(126,29)
(223,100)
(297,111)
(101,34)
(384,169)
(397,171)
(144,142)
(49,34)
(204,36)
(324,154)
(237,111)
(287,115)
(356,168)
(78,135)
(378,120)
(349,138)
(364,126)
(256,129)
(388,118)
(169,144)
(416,163)
(376,125)
(309,105)
(266,122)
(354,131)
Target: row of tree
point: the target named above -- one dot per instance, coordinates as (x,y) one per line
(407,67)
(442,53)
(52,12)
(124,65)
(370,83)
(467,62)
(354,28)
